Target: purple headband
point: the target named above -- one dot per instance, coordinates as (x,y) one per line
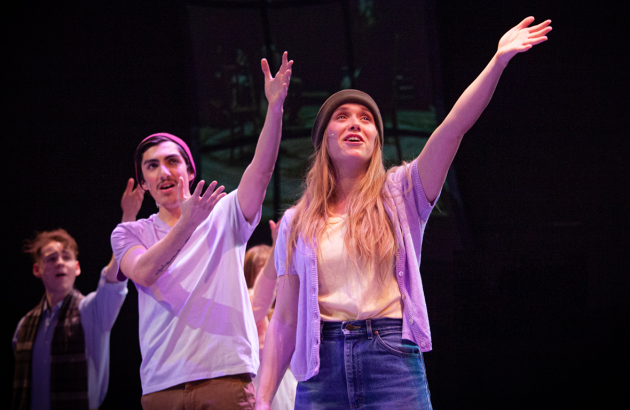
(177,141)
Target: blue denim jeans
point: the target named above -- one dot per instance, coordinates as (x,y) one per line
(366,364)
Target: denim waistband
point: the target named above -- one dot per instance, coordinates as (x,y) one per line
(360,328)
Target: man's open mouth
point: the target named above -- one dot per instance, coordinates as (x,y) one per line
(167,185)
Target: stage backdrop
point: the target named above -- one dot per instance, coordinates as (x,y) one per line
(333,49)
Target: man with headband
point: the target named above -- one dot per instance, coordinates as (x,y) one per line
(197,332)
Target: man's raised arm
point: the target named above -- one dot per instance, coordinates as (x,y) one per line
(144,266)
(256,177)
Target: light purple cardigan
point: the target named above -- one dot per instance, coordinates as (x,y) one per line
(410,217)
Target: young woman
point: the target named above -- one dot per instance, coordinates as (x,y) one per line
(350,312)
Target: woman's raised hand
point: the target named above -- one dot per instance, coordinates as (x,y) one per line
(521,38)
(276,88)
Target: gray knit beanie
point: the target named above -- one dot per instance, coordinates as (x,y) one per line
(335,101)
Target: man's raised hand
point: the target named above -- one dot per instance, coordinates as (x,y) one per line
(195,207)
(276,88)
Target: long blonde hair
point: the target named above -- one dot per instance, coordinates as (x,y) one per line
(369,235)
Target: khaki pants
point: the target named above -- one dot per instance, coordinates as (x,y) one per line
(222,393)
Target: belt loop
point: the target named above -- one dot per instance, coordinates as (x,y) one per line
(321,330)
(368,325)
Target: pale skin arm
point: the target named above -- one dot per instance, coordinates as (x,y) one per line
(279,340)
(265,285)
(145,266)
(130,203)
(437,155)
(270,266)
(253,185)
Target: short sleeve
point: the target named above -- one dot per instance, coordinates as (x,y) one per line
(405,181)
(123,238)
(244,228)
(424,207)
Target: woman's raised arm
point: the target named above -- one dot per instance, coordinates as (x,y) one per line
(438,153)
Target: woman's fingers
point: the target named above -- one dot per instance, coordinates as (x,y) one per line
(526,22)
(539,33)
(534,41)
(538,36)
(540,26)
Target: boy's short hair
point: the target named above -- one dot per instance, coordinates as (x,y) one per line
(34,247)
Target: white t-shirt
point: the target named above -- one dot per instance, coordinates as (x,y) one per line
(196,321)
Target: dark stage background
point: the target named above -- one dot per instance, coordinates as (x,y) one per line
(528,310)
